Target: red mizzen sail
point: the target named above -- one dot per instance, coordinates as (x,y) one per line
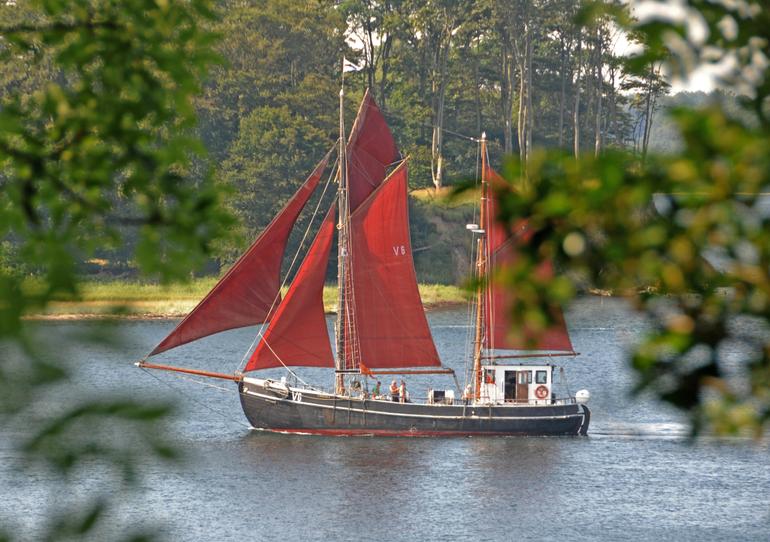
(297,334)
(246,293)
(371,149)
(390,329)
(502,252)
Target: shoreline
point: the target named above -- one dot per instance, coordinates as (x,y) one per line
(128,300)
(136,301)
(66,311)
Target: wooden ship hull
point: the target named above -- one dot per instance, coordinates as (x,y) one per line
(273,406)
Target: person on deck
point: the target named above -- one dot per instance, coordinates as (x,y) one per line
(376,391)
(402,391)
(467,393)
(393,391)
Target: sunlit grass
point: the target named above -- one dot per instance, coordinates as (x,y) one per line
(140,299)
(444,197)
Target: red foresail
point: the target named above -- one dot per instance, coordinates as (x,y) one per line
(251,287)
(297,334)
(501,253)
(371,149)
(390,329)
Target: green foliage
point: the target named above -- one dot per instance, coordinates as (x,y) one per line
(270,113)
(686,236)
(435,228)
(112,131)
(96,127)
(275,147)
(282,75)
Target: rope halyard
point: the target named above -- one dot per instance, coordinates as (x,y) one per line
(260,333)
(192,398)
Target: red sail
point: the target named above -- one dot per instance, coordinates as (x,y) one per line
(502,252)
(246,293)
(371,149)
(390,330)
(297,334)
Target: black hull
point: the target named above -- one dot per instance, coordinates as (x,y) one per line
(273,407)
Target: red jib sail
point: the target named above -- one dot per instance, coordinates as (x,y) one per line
(502,251)
(250,288)
(390,329)
(297,334)
(371,149)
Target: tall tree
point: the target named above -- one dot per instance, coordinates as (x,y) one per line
(437,22)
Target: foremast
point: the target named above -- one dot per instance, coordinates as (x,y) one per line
(481,274)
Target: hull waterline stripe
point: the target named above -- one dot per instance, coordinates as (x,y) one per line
(393,433)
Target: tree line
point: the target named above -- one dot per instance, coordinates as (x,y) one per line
(529,73)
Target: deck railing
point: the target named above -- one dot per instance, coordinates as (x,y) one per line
(356,396)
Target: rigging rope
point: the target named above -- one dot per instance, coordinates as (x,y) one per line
(193,399)
(392,115)
(286,277)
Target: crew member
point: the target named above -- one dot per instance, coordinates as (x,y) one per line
(393,391)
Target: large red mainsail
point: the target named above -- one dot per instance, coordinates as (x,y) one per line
(250,288)
(390,330)
(297,334)
(502,252)
(371,149)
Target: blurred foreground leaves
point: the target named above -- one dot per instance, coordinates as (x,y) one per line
(686,237)
(104,145)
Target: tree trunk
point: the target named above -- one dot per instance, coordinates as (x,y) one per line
(648,113)
(477,88)
(422,87)
(530,118)
(563,89)
(438,86)
(385,50)
(522,111)
(576,113)
(614,108)
(506,91)
(370,62)
(589,77)
(599,85)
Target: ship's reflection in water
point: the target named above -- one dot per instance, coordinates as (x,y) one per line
(635,477)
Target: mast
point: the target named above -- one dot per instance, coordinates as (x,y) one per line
(481,273)
(342,247)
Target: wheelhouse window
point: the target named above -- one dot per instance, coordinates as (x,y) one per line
(525,377)
(541,377)
(489,376)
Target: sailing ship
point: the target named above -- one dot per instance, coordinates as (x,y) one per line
(381,327)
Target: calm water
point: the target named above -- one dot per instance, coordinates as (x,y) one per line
(635,477)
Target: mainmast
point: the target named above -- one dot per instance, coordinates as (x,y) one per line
(342,247)
(481,273)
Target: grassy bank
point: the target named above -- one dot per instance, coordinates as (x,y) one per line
(143,300)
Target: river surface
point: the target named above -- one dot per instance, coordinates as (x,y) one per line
(635,477)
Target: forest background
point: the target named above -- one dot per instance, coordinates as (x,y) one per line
(525,72)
